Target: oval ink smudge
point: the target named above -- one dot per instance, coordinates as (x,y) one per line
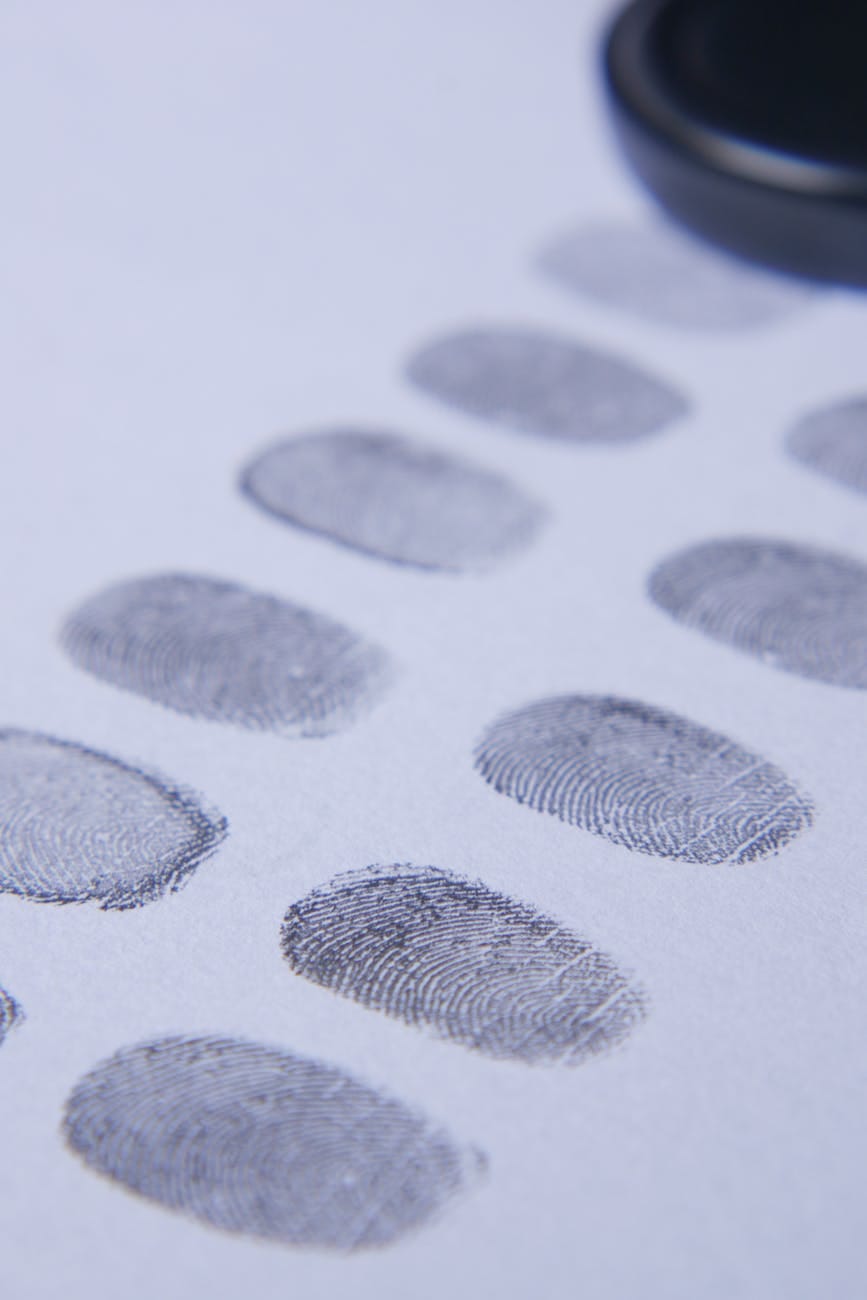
(545,385)
(393,498)
(254,1140)
(77,825)
(795,607)
(667,278)
(644,778)
(478,968)
(220,652)
(833,442)
(10,1014)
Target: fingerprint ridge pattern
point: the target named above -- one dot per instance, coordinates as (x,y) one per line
(832,441)
(216,651)
(254,1140)
(795,607)
(11,1014)
(475,967)
(393,498)
(644,778)
(79,825)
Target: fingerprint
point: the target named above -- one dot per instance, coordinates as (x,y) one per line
(544,385)
(264,1142)
(218,651)
(795,607)
(393,498)
(833,441)
(77,825)
(10,1014)
(644,778)
(661,276)
(478,968)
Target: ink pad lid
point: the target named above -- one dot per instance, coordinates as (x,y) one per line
(747,119)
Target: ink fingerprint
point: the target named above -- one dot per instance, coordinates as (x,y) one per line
(544,385)
(662,276)
(217,651)
(393,498)
(833,442)
(644,778)
(77,825)
(478,968)
(264,1142)
(10,1014)
(795,607)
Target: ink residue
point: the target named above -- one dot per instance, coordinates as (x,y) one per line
(10,1014)
(644,778)
(79,825)
(544,385)
(217,651)
(795,607)
(254,1140)
(478,968)
(665,277)
(833,442)
(393,498)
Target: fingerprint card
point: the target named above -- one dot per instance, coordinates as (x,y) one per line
(433,714)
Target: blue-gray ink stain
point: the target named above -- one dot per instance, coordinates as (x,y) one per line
(220,652)
(77,825)
(833,442)
(254,1140)
(10,1014)
(795,607)
(450,955)
(394,498)
(644,778)
(663,276)
(545,385)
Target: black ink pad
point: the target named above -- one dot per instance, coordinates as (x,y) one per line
(748,121)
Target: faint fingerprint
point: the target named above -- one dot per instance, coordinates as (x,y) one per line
(795,607)
(477,967)
(10,1014)
(78,825)
(662,276)
(259,1141)
(833,441)
(394,498)
(218,651)
(545,385)
(644,778)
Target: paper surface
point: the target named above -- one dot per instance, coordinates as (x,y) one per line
(226,226)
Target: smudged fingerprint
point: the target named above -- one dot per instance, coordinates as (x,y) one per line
(833,442)
(478,968)
(218,651)
(795,607)
(642,777)
(393,498)
(545,385)
(77,825)
(10,1014)
(254,1140)
(662,276)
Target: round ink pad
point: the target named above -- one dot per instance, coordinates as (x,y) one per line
(748,121)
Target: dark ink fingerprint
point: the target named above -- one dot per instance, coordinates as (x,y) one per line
(662,276)
(833,441)
(78,825)
(218,651)
(795,607)
(644,778)
(475,966)
(393,498)
(544,385)
(259,1141)
(10,1014)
